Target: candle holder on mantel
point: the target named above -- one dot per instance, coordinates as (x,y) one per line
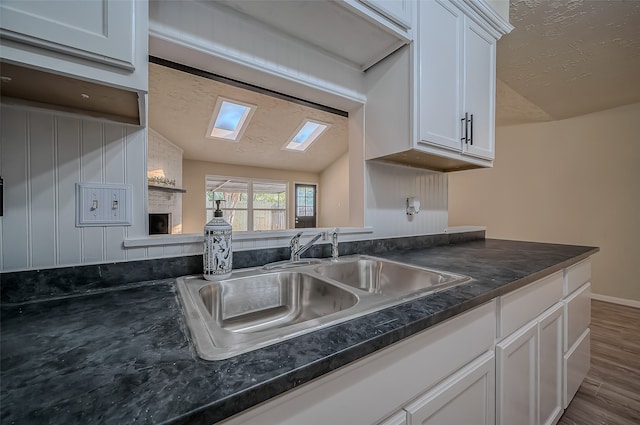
(217,256)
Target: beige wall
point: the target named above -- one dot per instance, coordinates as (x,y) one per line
(193,179)
(334,194)
(575,181)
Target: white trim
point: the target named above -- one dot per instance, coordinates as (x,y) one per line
(616,300)
(491,20)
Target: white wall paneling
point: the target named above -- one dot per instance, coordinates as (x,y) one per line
(388,186)
(43,155)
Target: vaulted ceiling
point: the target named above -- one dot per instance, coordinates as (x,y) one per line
(181,107)
(567,58)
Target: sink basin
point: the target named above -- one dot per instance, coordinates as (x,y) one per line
(257,307)
(273,300)
(386,277)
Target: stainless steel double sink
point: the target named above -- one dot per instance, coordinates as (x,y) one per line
(256,307)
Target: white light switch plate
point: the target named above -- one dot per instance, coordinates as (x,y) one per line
(103,204)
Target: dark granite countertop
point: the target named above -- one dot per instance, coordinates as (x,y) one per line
(124,356)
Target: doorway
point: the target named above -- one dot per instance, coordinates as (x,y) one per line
(305,205)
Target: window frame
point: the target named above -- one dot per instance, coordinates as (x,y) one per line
(250,201)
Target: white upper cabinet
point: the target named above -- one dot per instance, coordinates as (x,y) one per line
(100,30)
(479,89)
(449,104)
(440,74)
(457,81)
(97,50)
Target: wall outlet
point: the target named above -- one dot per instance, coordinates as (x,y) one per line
(103,204)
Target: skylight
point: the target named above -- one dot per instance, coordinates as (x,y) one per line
(305,135)
(230,119)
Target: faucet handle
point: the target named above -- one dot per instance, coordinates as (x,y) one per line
(334,244)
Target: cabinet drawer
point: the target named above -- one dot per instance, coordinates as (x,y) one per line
(576,366)
(523,305)
(577,275)
(577,315)
(400,372)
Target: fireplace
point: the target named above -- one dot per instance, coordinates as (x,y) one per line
(159,224)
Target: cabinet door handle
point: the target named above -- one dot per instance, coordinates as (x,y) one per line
(471,133)
(463,121)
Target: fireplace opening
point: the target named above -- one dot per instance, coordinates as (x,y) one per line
(159,224)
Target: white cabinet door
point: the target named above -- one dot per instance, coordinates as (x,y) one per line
(99,30)
(550,365)
(516,379)
(479,90)
(439,79)
(467,397)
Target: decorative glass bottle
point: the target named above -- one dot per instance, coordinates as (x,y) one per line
(217,257)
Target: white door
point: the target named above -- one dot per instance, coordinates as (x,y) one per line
(467,397)
(479,90)
(516,377)
(550,365)
(439,79)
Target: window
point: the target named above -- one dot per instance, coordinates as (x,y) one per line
(305,135)
(248,204)
(230,119)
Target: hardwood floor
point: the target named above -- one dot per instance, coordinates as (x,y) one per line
(610,395)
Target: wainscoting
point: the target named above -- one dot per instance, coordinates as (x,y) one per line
(611,392)
(43,155)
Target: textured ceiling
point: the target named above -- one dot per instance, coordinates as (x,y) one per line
(567,58)
(181,106)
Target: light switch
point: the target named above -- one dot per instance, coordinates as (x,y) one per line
(103,204)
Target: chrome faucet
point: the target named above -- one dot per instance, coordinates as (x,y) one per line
(334,244)
(297,250)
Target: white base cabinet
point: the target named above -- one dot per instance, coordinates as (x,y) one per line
(467,397)
(376,388)
(529,377)
(550,336)
(577,318)
(502,363)
(544,354)
(517,370)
